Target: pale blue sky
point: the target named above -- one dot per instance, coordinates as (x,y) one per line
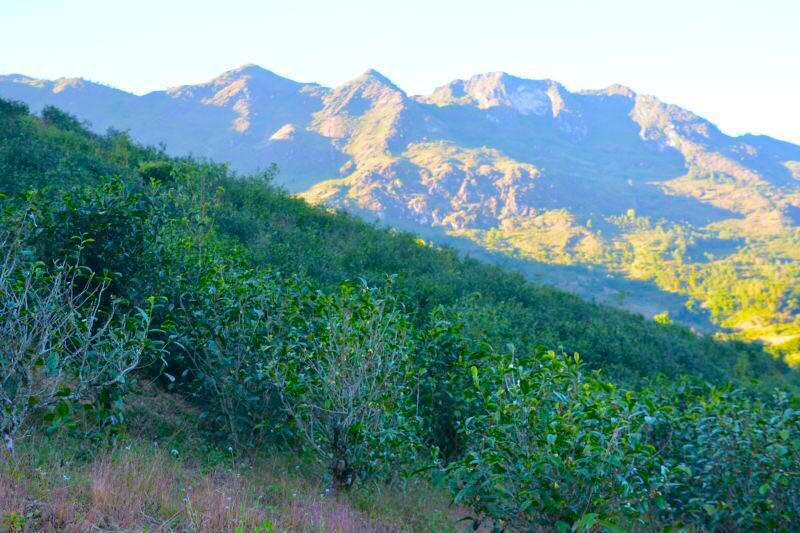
(735,62)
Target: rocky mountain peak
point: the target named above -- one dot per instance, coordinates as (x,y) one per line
(362,93)
(373,76)
(500,89)
(247,80)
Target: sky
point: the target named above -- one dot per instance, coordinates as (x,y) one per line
(736,63)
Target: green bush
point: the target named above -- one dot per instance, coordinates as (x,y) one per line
(60,347)
(344,381)
(163,171)
(223,320)
(551,446)
(555,447)
(275,360)
(734,462)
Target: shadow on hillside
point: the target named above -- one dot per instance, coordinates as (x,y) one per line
(593,283)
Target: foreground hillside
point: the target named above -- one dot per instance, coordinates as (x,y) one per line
(375,358)
(610,194)
(164,475)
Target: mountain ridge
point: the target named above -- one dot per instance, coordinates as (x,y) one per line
(248,69)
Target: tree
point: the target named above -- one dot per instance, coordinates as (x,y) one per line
(64,121)
(57,344)
(345,384)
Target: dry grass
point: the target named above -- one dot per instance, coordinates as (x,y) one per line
(140,488)
(130,490)
(56,513)
(167,477)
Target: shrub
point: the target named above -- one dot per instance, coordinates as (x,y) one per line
(227,319)
(58,345)
(555,447)
(13,108)
(734,462)
(53,116)
(551,446)
(116,228)
(163,171)
(344,384)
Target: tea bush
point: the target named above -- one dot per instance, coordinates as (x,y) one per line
(554,446)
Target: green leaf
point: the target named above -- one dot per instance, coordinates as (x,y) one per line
(62,409)
(142,314)
(661,502)
(474,371)
(586,522)
(52,362)
(612,528)
(461,495)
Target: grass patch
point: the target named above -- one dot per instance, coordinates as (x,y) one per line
(163,475)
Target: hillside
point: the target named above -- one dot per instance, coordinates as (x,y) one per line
(377,362)
(612,195)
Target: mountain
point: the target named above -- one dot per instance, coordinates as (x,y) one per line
(614,195)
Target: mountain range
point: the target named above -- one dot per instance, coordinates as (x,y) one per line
(612,194)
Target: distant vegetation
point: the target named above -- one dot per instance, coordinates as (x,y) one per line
(382,359)
(748,285)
